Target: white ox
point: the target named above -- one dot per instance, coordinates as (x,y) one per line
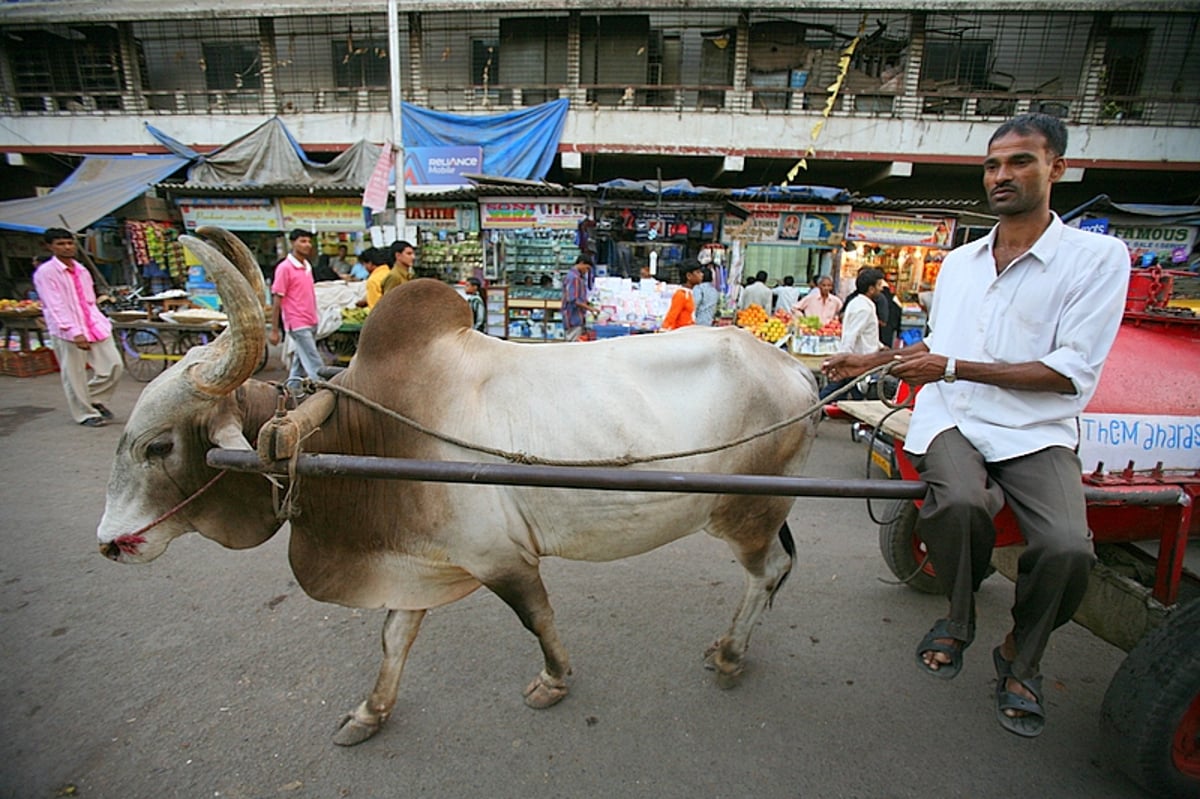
(411,546)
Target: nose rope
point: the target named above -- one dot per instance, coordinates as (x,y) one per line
(178,507)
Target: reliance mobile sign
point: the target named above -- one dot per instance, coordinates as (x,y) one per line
(441,166)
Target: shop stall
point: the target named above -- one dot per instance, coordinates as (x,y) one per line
(448,243)
(907,248)
(788,239)
(637,228)
(527,239)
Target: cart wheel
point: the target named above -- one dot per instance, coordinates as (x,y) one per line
(188,339)
(144,354)
(1150,717)
(903,552)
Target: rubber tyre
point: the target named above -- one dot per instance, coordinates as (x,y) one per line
(1150,718)
(901,548)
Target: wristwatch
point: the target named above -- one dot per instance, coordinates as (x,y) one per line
(951,373)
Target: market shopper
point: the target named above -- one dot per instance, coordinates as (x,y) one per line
(786,295)
(80,334)
(860,325)
(683,302)
(756,292)
(404,255)
(478,313)
(889,324)
(575,305)
(295,304)
(706,298)
(1021,323)
(822,303)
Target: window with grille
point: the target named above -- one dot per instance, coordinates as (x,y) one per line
(485,61)
(360,63)
(231,66)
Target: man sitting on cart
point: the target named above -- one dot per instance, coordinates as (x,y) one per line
(1021,323)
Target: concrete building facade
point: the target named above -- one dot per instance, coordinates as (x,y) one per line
(897,99)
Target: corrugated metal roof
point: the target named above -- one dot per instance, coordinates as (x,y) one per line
(932,204)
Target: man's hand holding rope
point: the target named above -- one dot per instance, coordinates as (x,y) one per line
(915,364)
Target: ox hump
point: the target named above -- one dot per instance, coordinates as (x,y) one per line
(412,315)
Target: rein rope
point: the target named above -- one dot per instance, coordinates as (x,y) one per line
(624,460)
(195,495)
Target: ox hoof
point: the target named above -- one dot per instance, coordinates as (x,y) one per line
(541,693)
(353,731)
(728,670)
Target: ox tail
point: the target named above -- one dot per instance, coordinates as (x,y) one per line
(789,546)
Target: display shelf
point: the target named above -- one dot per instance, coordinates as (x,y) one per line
(535,320)
(496,303)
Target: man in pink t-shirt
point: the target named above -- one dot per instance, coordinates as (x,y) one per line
(295,303)
(79,333)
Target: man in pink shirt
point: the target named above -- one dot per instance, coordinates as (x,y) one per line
(295,303)
(79,333)
(822,302)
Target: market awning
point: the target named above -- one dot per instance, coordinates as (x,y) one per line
(97,187)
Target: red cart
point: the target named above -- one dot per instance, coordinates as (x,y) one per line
(1140,448)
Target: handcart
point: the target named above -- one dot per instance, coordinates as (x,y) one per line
(149,347)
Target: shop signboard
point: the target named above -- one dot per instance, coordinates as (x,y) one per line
(903,229)
(245,214)
(531,213)
(316,214)
(441,166)
(779,223)
(1151,243)
(444,216)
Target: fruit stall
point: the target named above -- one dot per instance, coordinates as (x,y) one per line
(21,355)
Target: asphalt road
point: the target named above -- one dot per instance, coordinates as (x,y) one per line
(209,673)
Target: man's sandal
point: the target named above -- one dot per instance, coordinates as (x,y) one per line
(930,643)
(1029,725)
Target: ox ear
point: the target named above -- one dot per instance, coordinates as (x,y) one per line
(225,430)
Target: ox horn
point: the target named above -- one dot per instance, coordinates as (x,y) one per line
(238,254)
(236,352)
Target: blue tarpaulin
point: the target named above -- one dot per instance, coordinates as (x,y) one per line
(517,144)
(97,187)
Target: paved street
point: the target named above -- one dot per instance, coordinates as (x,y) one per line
(209,673)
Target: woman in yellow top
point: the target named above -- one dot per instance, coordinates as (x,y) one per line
(683,305)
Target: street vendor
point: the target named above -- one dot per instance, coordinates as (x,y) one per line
(1021,323)
(79,333)
(822,303)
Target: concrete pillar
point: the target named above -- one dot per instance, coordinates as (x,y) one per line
(8,88)
(740,100)
(416,60)
(908,102)
(576,95)
(132,97)
(267,59)
(1089,108)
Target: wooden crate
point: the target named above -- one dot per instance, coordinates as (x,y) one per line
(28,364)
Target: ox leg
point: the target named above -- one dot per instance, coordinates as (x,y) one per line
(767,566)
(399,631)
(525,593)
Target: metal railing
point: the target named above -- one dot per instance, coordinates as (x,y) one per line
(1173,110)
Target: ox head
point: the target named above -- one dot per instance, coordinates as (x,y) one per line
(160,459)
